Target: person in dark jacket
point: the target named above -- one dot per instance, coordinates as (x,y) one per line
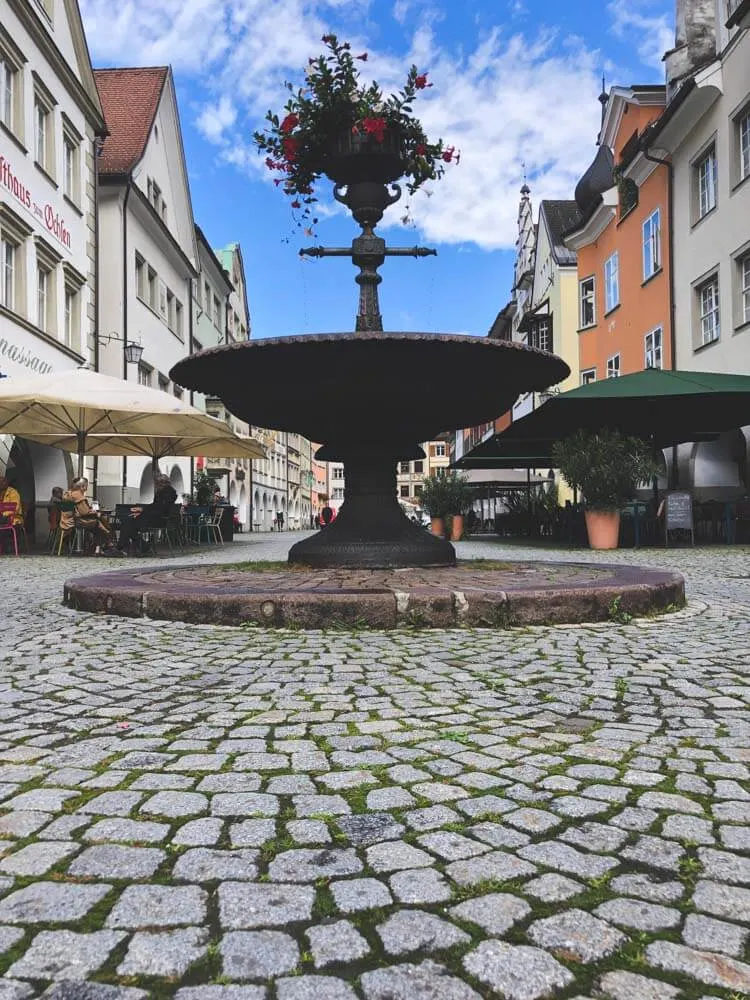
(150,515)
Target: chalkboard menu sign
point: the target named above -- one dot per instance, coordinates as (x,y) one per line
(678,514)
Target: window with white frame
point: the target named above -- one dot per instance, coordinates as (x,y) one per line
(44,130)
(8,277)
(163,383)
(71,163)
(652,348)
(8,84)
(207,301)
(588,376)
(587,302)
(144,375)
(141,288)
(742,144)
(170,310)
(217,313)
(153,288)
(743,275)
(611,282)
(439,450)
(163,312)
(404,491)
(705,182)
(44,293)
(651,244)
(11,85)
(708,310)
(72,326)
(540,333)
(178,314)
(613,366)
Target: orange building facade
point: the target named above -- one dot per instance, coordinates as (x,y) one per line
(624,310)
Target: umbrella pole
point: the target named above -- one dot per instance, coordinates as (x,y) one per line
(81,436)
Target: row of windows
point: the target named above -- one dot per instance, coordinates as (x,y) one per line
(48,273)
(705,167)
(153,292)
(405,494)
(652,358)
(213,307)
(707,308)
(651,254)
(46,129)
(146,377)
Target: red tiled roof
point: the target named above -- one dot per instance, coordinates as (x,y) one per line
(129,99)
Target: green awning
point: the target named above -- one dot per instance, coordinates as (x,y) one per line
(662,407)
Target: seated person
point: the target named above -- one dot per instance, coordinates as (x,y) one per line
(53,507)
(9,494)
(84,514)
(149,515)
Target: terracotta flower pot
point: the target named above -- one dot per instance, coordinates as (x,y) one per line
(437,526)
(457,527)
(603,528)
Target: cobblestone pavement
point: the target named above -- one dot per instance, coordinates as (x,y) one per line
(238,814)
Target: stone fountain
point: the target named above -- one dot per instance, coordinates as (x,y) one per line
(371,396)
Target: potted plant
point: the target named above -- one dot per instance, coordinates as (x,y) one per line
(460,500)
(435,499)
(205,487)
(606,468)
(347,129)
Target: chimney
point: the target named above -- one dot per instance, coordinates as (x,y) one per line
(695,41)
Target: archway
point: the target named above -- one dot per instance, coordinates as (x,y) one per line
(256,514)
(177,481)
(715,467)
(34,469)
(242,512)
(146,487)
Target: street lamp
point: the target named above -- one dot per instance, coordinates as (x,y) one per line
(133,352)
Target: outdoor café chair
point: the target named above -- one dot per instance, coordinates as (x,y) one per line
(7,510)
(73,536)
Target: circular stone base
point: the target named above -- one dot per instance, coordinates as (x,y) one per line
(494,595)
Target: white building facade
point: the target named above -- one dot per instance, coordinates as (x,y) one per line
(51,124)
(705,133)
(148,254)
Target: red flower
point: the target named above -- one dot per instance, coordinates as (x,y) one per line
(362,56)
(375,127)
(290,122)
(450,154)
(296,204)
(420,82)
(289,146)
(328,38)
(421,149)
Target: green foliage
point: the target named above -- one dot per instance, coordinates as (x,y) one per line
(205,487)
(604,466)
(448,493)
(617,614)
(335,103)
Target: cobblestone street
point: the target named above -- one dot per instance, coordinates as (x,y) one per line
(237,814)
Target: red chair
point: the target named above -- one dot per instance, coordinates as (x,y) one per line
(7,511)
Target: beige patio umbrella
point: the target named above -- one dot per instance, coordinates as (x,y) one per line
(73,407)
(222,443)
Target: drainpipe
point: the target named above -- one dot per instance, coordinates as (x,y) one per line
(672,326)
(190,351)
(96,286)
(125,312)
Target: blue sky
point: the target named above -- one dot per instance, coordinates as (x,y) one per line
(515,81)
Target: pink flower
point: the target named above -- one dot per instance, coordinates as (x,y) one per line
(375,127)
(420,82)
(296,204)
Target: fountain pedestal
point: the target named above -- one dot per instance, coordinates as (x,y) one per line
(371,530)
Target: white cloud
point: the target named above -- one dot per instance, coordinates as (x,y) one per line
(511,98)
(215,119)
(639,21)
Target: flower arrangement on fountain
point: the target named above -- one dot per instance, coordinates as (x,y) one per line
(335,107)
